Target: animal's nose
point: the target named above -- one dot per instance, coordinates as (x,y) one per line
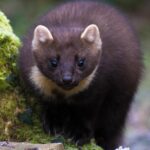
(67,79)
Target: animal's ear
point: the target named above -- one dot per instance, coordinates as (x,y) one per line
(41,35)
(91,35)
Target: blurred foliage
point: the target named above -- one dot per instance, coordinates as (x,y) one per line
(129,5)
(23,13)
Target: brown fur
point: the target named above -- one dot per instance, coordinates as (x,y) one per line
(102,90)
(46,86)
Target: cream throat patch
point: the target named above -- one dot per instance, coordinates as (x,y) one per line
(47,86)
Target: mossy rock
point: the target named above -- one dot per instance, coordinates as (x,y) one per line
(9,44)
(17,120)
(19,112)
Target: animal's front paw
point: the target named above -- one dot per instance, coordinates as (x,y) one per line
(51,125)
(78,135)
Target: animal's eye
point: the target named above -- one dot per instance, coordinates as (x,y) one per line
(81,62)
(53,63)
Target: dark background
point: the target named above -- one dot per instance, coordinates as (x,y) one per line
(22,13)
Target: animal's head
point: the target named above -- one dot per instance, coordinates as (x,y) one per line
(67,56)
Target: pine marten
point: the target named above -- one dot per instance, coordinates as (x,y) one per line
(84,62)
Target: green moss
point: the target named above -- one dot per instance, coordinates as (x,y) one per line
(9,106)
(9,44)
(4,22)
(19,111)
